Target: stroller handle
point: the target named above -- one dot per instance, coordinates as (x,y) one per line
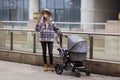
(65,35)
(58,37)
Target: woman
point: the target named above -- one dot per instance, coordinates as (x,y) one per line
(47,28)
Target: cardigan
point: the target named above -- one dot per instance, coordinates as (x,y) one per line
(47,31)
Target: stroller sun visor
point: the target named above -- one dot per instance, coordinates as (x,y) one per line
(77,44)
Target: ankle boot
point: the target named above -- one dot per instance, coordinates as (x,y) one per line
(52,67)
(45,67)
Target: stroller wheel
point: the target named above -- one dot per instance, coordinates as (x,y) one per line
(59,69)
(77,73)
(87,72)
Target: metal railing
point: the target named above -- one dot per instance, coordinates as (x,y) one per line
(90,35)
(79,26)
(14,24)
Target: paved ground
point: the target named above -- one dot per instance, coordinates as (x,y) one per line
(18,71)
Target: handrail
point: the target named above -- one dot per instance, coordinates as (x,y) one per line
(9,29)
(69,32)
(15,21)
(90,34)
(91,23)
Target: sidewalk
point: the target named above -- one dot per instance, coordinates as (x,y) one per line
(18,71)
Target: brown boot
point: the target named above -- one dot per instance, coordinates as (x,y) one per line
(45,67)
(52,67)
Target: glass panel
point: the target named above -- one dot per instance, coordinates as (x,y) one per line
(59,4)
(26,14)
(0,14)
(53,14)
(67,15)
(19,15)
(43,4)
(6,4)
(12,4)
(20,4)
(1,4)
(67,3)
(5,14)
(59,14)
(4,40)
(77,3)
(50,4)
(26,4)
(12,15)
(38,44)
(75,15)
(23,41)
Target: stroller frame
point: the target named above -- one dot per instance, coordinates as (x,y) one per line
(68,64)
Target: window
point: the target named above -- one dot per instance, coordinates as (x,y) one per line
(42,4)
(5,14)
(0,4)
(62,10)
(59,4)
(50,4)
(26,4)
(76,3)
(26,15)
(20,4)
(12,4)
(0,14)
(5,4)
(14,10)
(67,5)
(20,15)
(59,15)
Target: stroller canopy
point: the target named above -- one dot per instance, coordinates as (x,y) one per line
(77,44)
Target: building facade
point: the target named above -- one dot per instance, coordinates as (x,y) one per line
(23,10)
(63,10)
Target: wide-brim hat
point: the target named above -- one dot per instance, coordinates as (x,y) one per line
(47,11)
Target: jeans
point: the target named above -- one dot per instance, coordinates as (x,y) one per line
(50,51)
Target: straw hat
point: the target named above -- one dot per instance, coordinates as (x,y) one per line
(46,10)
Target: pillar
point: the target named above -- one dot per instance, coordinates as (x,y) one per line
(33,8)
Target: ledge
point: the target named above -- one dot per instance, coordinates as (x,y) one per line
(96,66)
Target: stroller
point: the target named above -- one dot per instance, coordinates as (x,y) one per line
(74,56)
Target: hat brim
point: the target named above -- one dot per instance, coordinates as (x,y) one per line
(42,12)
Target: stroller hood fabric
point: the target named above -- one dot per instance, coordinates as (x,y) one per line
(77,44)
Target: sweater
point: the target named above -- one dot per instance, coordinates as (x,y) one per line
(47,31)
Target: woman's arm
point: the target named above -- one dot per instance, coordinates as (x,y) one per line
(38,25)
(56,29)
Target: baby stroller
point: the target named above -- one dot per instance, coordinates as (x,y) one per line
(74,56)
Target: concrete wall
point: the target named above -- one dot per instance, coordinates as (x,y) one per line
(96,66)
(112,43)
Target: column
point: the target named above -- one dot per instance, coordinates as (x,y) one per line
(87,13)
(33,8)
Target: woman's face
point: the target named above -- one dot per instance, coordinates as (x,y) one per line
(46,15)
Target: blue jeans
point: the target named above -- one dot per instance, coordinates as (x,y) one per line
(50,51)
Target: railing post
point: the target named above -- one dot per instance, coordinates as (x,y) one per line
(61,40)
(91,47)
(11,40)
(34,42)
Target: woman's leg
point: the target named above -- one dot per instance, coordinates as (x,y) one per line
(50,51)
(43,44)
